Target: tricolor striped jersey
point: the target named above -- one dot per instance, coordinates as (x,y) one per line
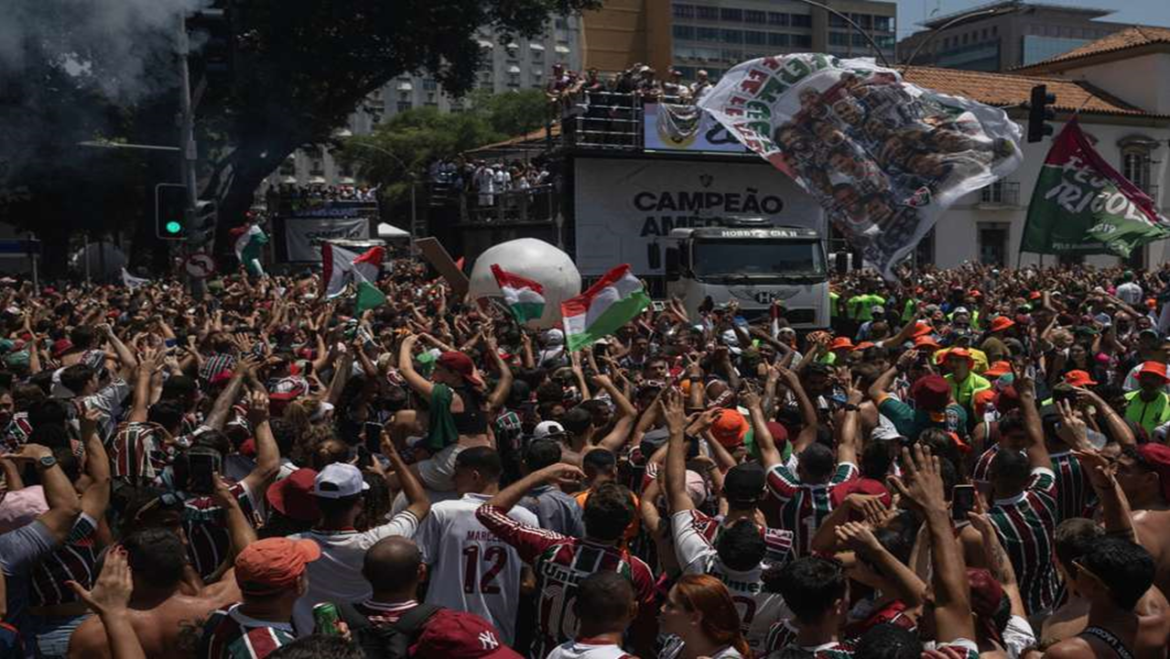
(204,522)
(381,613)
(560,564)
(72,561)
(778,541)
(982,470)
(1074,493)
(783,635)
(139,453)
(1026,524)
(805,507)
(229,634)
(758,609)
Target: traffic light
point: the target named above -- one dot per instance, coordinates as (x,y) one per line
(170,211)
(202,229)
(1040,112)
(212,53)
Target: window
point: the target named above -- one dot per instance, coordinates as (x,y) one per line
(984,34)
(403,106)
(707,34)
(864,20)
(561,24)
(1135,165)
(838,39)
(733,36)
(837,21)
(755,16)
(731,15)
(776,18)
(777,39)
(966,38)
(994,30)
(731,55)
(289,166)
(429,84)
(755,38)
(684,11)
(860,40)
(883,23)
(707,13)
(683,32)
(801,20)
(802,40)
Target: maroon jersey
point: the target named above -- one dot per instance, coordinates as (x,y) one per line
(560,564)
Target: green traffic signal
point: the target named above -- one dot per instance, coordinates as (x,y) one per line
(173,227)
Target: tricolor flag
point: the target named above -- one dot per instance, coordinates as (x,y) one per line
(339,264)
(524,297)
(132,282)
(250,240)
(616,299)
(368,295)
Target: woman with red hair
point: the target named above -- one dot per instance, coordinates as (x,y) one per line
(702,620)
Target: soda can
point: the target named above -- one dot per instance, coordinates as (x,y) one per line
(325,618)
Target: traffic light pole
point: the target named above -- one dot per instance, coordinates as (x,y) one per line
(187,141)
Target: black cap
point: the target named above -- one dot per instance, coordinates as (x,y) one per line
(744,483)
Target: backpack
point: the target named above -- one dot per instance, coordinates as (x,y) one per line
(387,641)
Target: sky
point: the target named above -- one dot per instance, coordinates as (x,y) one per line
(1145,12)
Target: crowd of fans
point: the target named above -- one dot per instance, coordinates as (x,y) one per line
(327,192)
(973,462)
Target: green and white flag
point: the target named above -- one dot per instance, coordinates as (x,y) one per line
(250,241)
(369,296)
(524,297)
(1081,205)
(616,299)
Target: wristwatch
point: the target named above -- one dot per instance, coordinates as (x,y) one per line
(47,462)
(850,407)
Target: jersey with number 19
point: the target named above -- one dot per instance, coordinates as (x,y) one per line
(472,569)
(560,564)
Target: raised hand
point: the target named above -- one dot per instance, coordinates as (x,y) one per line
(111,592)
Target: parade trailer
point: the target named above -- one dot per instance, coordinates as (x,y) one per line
(704,226)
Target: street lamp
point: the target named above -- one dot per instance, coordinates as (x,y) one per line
(413,184)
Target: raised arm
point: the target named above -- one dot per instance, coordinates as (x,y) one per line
(418,383)
(125,355)
(676,454)
(96,497)
(217,418)
(998,561)
(850,426)
(503,388)
(765,442)
(64,506)
(627,415)
(110,600)
(808,411)
(420,504)
(267,451)
(1037,450)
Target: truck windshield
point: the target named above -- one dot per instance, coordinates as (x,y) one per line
(758,258)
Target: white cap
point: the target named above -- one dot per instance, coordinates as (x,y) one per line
(339,480)
(546,428)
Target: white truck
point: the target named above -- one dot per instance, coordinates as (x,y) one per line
(753,263)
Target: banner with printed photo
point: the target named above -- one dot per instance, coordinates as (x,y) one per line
(670,127)
(883,157)
(303,236)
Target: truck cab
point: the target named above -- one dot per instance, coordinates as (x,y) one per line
(753,263)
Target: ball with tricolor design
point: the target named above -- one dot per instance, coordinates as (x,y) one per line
(530,278)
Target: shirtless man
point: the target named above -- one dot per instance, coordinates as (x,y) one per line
(164,618)
(1144,475)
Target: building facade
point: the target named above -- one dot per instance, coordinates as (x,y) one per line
(1121,87)
(715,35)
(508,66)
(1004,35)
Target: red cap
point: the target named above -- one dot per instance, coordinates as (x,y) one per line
(273,564)
(1079,378)
(841,342)
(1157,368)
(974,292)
(926,341)
(931,392)
(460,363)
(867,486)
(1000,323)
(922,330)
(1035,295)
(460,635)
(864,345)
(981,398)
(729,428)
(961,353)
(779,433)
(1157,456)
(998,369)
(293,496)
(61,346)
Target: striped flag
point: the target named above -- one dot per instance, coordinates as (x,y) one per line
(616,299)
(338,265)
(250,240)
(524,297)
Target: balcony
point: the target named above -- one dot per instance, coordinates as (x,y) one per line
(1001,194)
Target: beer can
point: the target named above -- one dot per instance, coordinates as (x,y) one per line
(325,619)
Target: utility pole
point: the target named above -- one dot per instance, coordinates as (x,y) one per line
(187,141)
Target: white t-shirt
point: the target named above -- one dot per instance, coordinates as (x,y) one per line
(584,650)
(337,575)
(673,647)
(1018,636)
(757,609)
(457,547)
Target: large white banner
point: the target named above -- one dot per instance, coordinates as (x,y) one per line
(621,206)
(303,236)
(669,127)
(884,157)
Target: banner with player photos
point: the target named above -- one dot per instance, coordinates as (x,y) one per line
(883,157)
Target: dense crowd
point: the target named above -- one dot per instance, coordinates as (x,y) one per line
(973,462)
(327,192)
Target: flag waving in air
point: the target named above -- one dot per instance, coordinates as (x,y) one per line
(1081,205)
(616,299)
(339,266)
(524,297)
(250,240)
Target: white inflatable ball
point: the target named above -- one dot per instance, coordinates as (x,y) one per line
(532,259)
